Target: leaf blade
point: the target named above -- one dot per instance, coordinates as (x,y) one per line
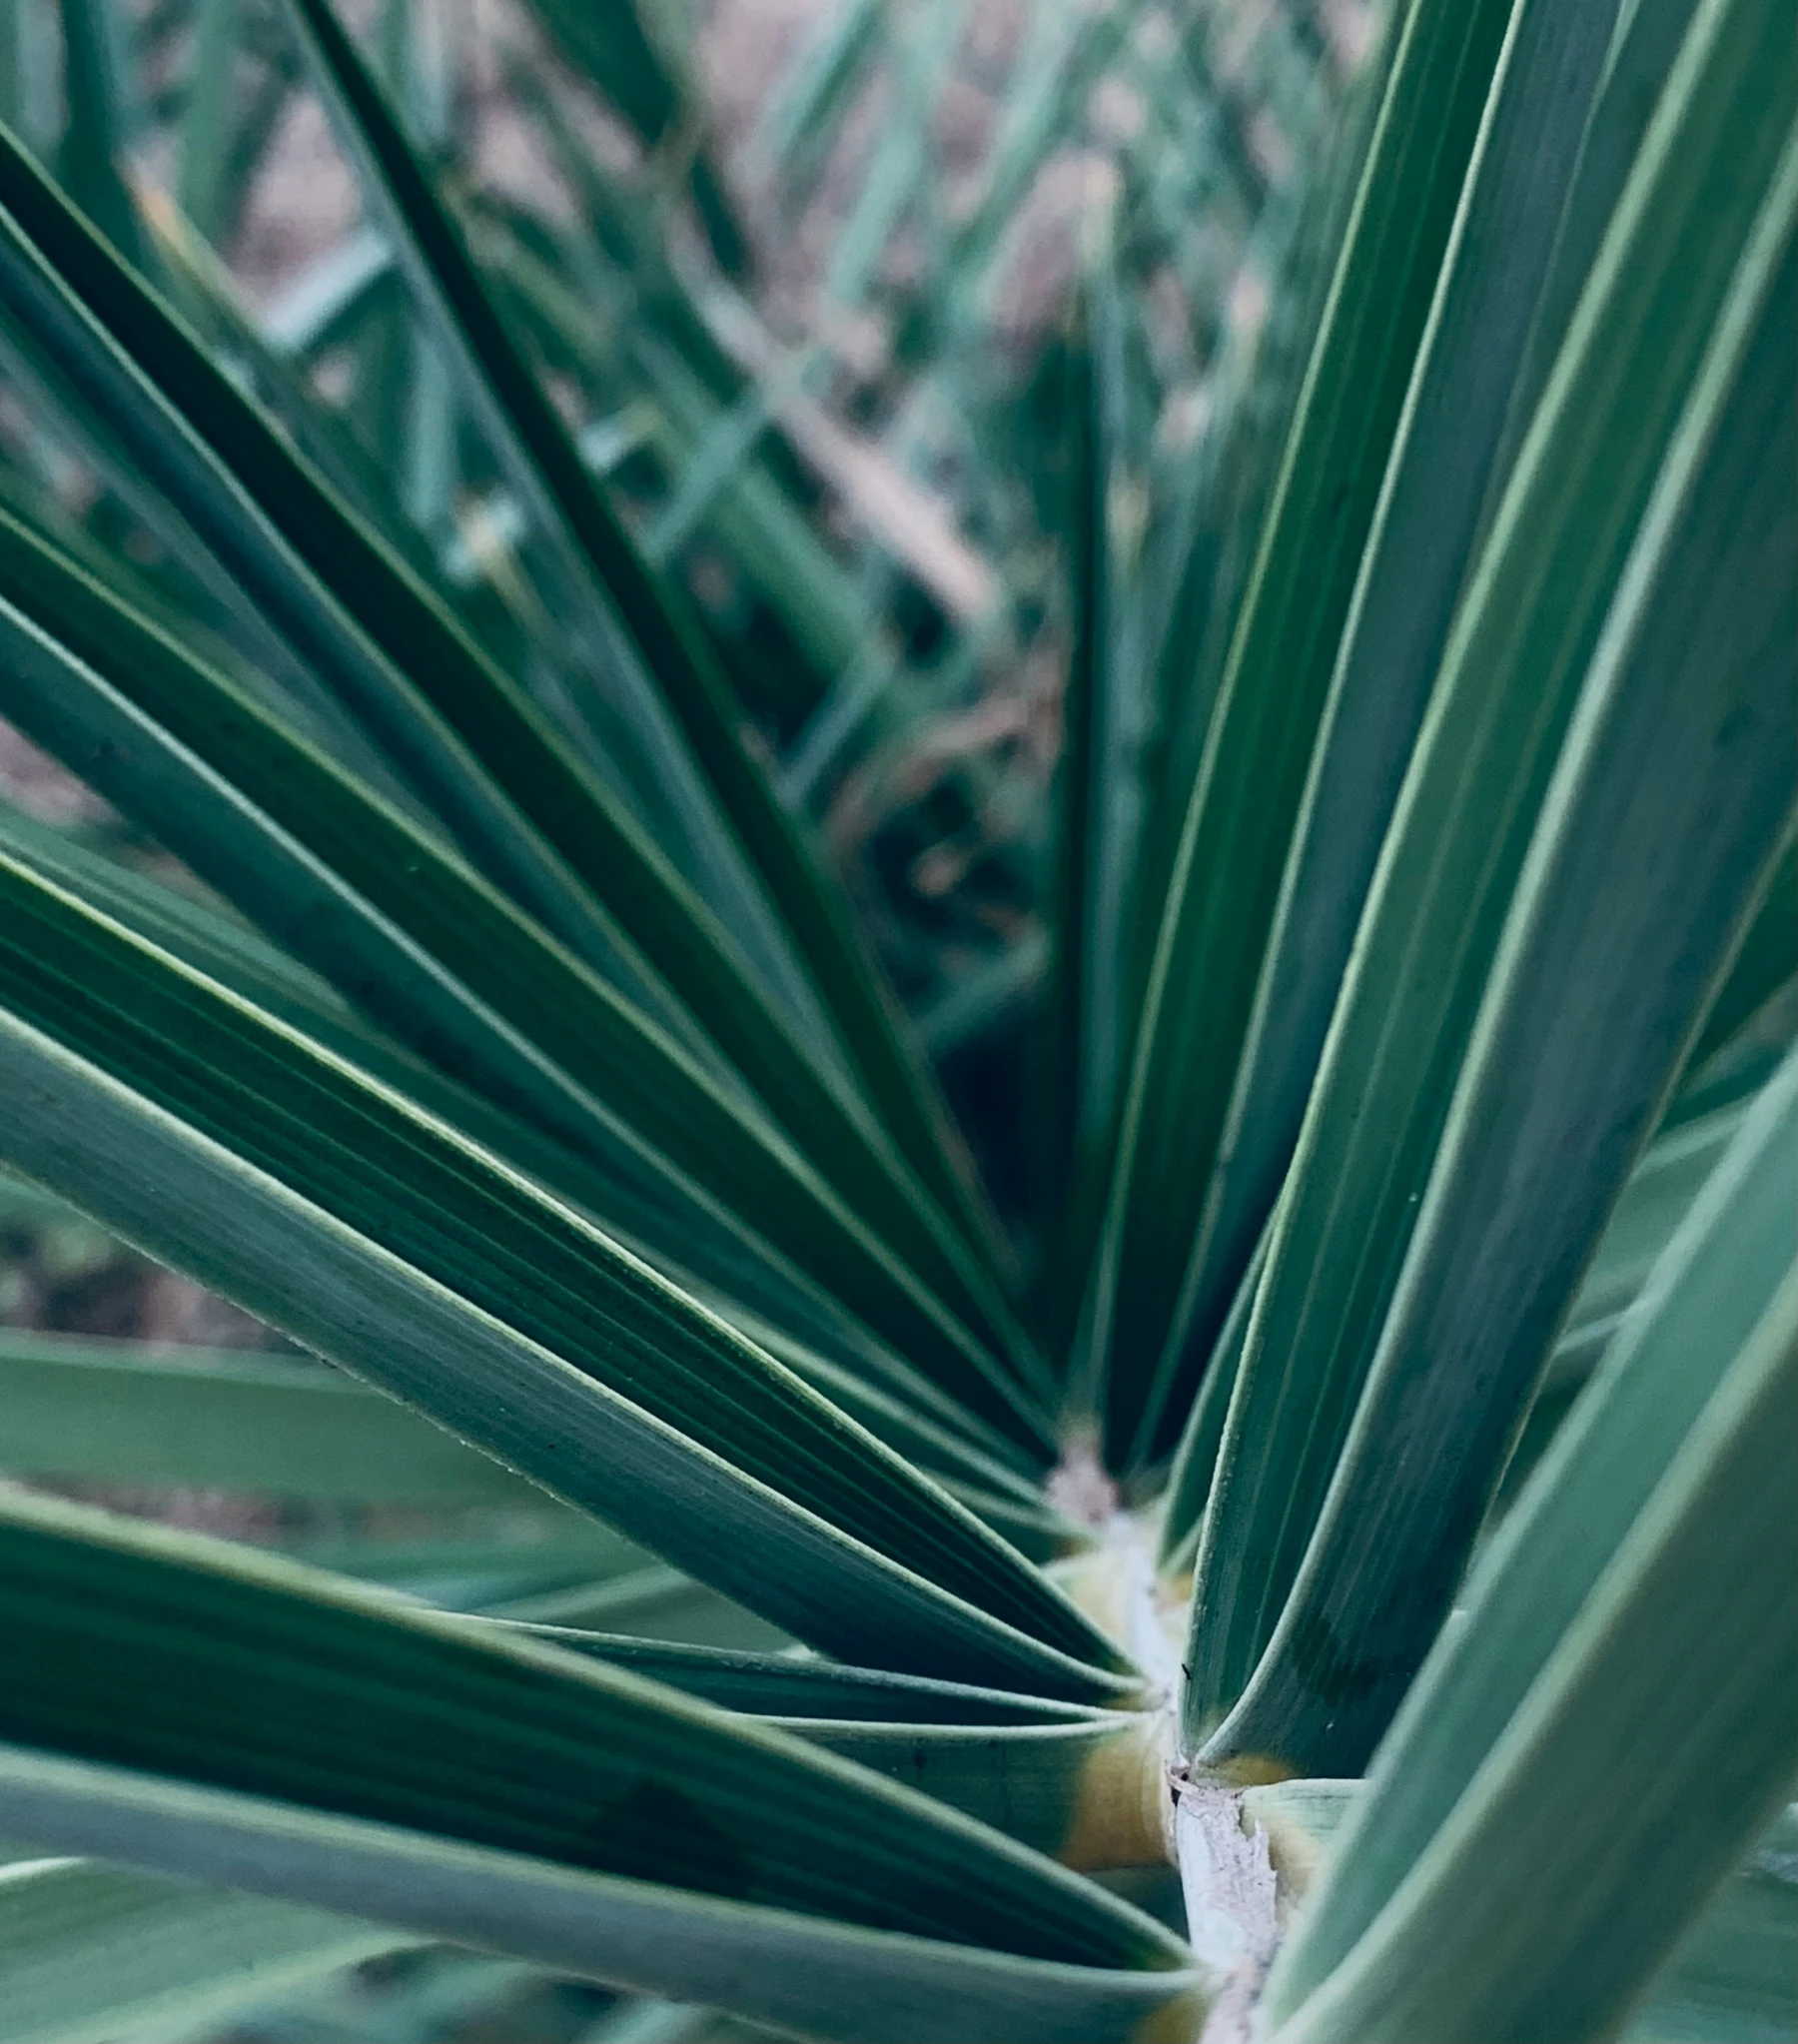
(822,1981)
(1715,1284)
(1704,198)
(274,1680)
(327,1152)
(1238,819)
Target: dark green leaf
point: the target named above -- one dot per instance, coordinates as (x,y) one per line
(215,1137)
(1240,815)
(1418,550)
(1652,374)
(464,978)
(666,638)
(253,1675)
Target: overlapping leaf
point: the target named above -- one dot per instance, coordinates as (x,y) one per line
(1634,1607)
(1417,549)
(442,1274)
(684,676)
(273,1681)
(1691,290)
(1240,814)
(402,925)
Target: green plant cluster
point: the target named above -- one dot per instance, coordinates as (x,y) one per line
(1335,1584)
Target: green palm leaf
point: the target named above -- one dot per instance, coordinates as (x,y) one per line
(709,1553)
(1526,631)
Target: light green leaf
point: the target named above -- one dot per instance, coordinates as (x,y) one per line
(1730,1979)
(651,1604)
(1671,1175)
(89,1953)
(823,1979)
(114,1411)
(1637,1574)
(1654,1204)
(513,1561)
(1766,961)
(253,1675)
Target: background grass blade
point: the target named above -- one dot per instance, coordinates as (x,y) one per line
(91,160)
(1766,961)
(1727,1981)
(208,118)
(1227,501)
(620,54)
(1659,1195)
(90,1952)
(110,1412)
(483,1571)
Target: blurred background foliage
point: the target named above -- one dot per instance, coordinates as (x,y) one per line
(812,279)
